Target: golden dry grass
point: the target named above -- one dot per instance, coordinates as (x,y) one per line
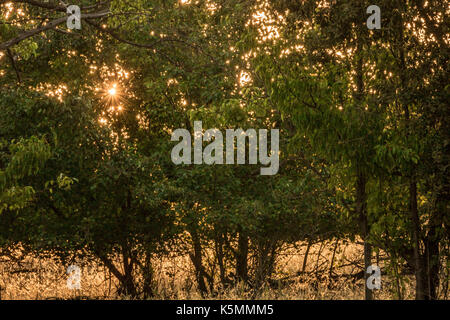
(33,278)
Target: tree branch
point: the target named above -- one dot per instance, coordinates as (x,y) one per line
(13,62)
(50,25)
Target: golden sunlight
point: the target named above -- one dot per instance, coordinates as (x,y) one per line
(112,91)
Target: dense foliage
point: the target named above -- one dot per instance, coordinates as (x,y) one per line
(87,115)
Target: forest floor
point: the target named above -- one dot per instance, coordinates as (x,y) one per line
(27,277)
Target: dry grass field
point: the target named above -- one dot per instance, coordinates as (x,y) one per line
(32,278)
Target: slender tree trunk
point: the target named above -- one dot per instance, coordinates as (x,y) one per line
(242,258)
(432,250)
(147,271)
(361,210)
(196,258)
(367,263)
(420,271)
(361,197)
(330,274)
(305,258)
(432,264)
(220,258)
(397,278)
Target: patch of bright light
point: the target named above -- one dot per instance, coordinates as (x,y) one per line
(112,91)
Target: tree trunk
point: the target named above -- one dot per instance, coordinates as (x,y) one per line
(196,258)
(305,258)
(220,258)
(418,259)
(330,273)
(241,258)
(432,251)
(361,210)
(361,181)
(147,270)
(127,284)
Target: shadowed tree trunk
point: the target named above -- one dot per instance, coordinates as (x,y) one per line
(147,270)
(361,210)
(241,258)
(196,258)
(220,258)
(361,179)
(305,258)
(128,286)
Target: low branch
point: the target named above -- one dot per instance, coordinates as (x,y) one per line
(52,6)
(50,25)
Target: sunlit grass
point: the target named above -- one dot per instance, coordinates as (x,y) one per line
(174,278)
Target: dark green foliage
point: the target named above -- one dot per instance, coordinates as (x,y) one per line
(364,135)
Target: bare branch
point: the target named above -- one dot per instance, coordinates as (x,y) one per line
(50,25)
(53,6)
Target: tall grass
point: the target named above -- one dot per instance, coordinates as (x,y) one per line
(31,277)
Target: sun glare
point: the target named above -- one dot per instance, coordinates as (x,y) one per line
(112,91)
